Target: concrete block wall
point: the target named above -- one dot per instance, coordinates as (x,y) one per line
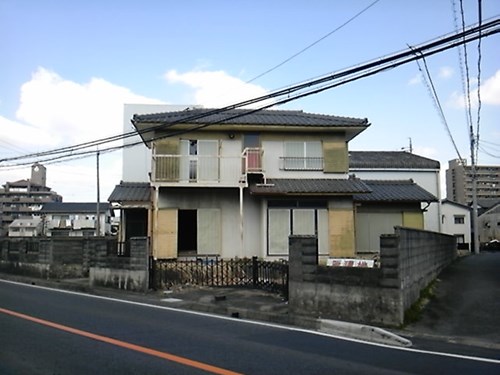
(129,273)
(409,261)
(50,257)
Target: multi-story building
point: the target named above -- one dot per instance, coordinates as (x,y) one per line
(21,199)
(238,183)
(459,181)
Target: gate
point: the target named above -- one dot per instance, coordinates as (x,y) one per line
(251,273)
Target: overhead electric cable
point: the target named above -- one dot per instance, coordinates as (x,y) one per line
(314,43)
(480,17)
(294,92)
(437,104)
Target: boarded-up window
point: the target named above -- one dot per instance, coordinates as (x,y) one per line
(165,234)
(279,230)
(299,221)
(209,231)
(335,156)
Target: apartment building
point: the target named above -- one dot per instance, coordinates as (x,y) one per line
(459,182)
(21,199)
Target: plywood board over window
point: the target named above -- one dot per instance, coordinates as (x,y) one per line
(209,231)
(336,159)
(165,234)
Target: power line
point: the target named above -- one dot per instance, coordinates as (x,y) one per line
(314,43)
(291,93)
(437,104)
(480,18)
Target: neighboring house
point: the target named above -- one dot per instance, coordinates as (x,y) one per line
(402,165)
(390,204)
(21,199)
(76,219)
(133,199)
(456,220)
(26,227)
(489,225)
(228,189)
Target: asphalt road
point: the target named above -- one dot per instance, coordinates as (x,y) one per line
(466,305)
(68,333)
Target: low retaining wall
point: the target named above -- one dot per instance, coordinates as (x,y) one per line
(129,273)
(50,257)
(409,261)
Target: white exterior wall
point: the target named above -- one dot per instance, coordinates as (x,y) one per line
(235,243)
(427,179)
(448,212)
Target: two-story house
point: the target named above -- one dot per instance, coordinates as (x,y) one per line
(238,183)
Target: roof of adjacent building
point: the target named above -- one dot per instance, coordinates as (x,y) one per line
(318,186)
(390,160)
(26,223)
(448,201)
(394,191)
(131,192)
(74,207)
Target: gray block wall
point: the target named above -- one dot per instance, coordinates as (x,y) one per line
(409,261)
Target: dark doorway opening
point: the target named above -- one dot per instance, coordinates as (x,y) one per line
(136,222)
(187,232)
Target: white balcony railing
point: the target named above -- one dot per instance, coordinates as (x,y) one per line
(206,170)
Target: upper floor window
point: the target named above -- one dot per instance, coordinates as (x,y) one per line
(303,156)
(459,219)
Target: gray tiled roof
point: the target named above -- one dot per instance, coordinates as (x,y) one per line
(310,187)
(74,207)
(263,117)
(395,191)
(131,192)
(390,159)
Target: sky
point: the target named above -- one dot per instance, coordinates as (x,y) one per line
(68,68)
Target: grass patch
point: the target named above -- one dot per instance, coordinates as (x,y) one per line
(414,313)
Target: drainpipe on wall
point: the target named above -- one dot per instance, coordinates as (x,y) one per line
(241,221)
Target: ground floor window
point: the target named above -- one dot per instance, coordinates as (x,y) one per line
(285,218)
(199,232)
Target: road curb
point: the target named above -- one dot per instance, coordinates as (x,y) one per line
(362,332)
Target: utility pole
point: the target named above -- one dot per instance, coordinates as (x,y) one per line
(474,193)
(98,219)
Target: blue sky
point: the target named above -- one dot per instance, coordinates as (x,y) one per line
(69,66)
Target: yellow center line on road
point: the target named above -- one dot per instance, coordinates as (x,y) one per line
(123,344)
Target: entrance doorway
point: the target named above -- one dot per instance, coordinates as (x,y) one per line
(187,232)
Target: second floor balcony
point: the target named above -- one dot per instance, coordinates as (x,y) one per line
(222,171)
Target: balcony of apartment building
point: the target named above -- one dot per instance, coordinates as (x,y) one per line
(206,170)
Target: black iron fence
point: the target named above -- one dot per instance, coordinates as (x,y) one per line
(246,272)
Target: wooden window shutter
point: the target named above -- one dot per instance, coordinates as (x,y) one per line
(165,234)
(335,156)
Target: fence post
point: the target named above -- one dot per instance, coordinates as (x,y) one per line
(255,272)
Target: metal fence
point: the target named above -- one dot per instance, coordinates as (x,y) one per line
(247,272)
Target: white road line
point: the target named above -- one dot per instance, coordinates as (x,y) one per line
(264,324)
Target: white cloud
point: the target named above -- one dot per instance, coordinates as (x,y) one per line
(415,80)
(490,90)
(216,88)
(57,112)
(445,72)
(490,93)
(72,113)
